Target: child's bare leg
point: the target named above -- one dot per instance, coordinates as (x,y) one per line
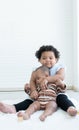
(6,108)
(51,107)
(27,88)
(32,108)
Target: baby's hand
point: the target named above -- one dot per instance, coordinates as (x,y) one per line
(34,94)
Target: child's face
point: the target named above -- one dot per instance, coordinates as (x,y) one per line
(48,59)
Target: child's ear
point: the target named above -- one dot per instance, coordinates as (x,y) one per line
(56,60)
(39,61)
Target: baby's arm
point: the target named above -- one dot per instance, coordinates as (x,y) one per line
(33,93)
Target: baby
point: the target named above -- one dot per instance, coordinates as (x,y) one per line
(44,95)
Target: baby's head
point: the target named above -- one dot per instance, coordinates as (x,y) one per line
(42,71)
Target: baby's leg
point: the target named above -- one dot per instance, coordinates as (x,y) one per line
(6,108)
(51,107)
(32,108)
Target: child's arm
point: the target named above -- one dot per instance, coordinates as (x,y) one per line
(43,83)
(59,75)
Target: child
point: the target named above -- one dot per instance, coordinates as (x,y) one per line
(47,56)
(45,96)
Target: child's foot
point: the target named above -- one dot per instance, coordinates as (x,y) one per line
(27,88)
(42,117)
(24,115)
(72,111)
(7,108)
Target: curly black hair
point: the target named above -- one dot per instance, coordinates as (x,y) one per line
(47,48)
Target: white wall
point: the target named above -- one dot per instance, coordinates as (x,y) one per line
(76,44)
(25,25)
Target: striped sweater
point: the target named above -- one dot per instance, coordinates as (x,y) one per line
(49,94)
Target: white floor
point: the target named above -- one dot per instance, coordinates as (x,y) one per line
(59,120)
(73,94)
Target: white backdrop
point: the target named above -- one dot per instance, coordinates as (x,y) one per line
(25,25)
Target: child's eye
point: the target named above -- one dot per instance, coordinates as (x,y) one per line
(51,58)
(44,58)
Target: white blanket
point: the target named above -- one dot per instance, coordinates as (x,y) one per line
(60,120)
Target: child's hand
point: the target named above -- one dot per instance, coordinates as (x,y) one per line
(34,94)
(43,83)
